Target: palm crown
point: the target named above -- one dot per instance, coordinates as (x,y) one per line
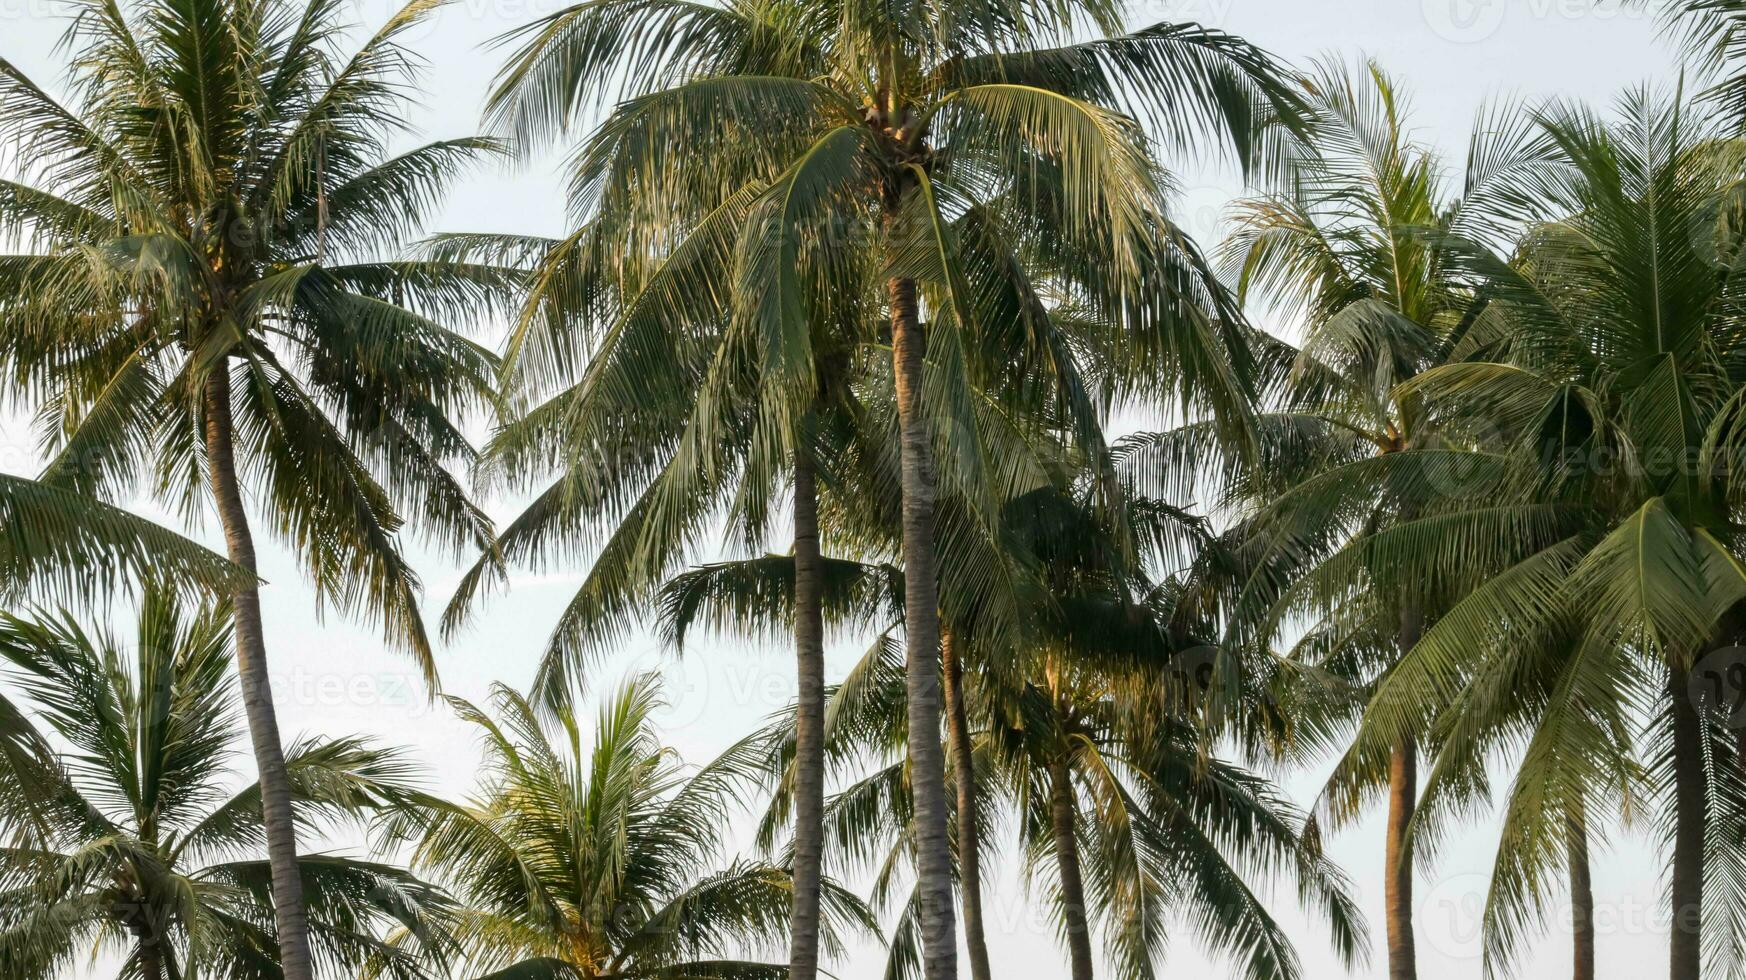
(137,837)
(211,212)
(595,859)
(722,297)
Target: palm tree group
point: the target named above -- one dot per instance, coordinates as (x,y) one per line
(860,289)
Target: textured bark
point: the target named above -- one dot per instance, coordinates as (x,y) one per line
(922,642)
(809,719)
(1403,789)
(1581,904)
(1687,891)
(964,780)
(1072,877)
(151,959)
(290,918)
(1403,768)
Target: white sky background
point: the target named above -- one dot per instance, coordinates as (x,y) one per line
(335,678)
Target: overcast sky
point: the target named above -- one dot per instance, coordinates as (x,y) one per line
(334,678)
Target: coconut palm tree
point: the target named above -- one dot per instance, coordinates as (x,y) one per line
(829,149)
(1358,249)
(1614,414)
(599,860)
(203,306)
(137,837)
(1104,726)
(1123,810)
(1127,834)
(980,584)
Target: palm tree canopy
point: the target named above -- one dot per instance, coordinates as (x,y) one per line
(134,835)
(706,301)
(1172,835)
(218,196)
(579,859)
(1598,510)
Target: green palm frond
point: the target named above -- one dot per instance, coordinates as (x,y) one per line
(64,542)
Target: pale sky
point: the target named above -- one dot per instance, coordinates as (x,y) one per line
(335,678)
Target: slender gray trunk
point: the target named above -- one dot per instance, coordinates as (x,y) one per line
(809,720)
(290,918)
(1687,891)
(964,777)
(1581,903)
(922,642)
(1072,877)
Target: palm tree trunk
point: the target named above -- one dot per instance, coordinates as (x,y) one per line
(1687,891)
(809,720)
(290,917)
(1072,878)
(143,919)
(922,642)
(1403,765)
(969,835)
(151,958)
(1581,903)
(1403,788)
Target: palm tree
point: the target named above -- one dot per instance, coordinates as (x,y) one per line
(201,305)
(1112,781)
(1359,249)
(135,835)
(1131,826)
(980,585)
(1138,819)
(748,597)
(1615,414)
(588,861)
(1105,727)
(828,149)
